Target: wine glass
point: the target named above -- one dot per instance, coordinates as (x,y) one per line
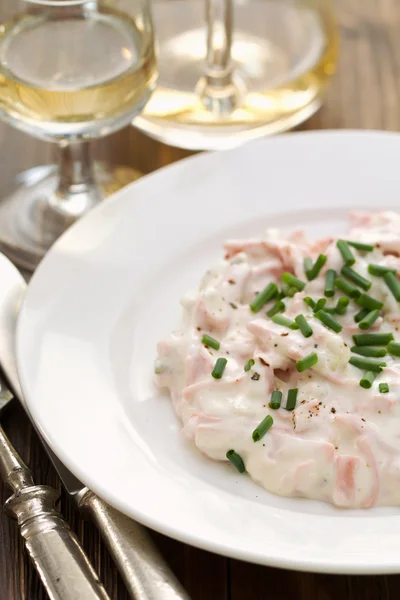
(70,71)
(232,70)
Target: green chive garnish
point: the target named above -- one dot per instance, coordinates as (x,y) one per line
(384,388)
(368,302)
(330,310)
(291,399)
(288,291)
(330,277)
(263,297)
(329,321)
(207,340)
(367,379)
(276,399)
(356,278)
(307,265)
(284,321)
(320,304)
(360,315)
(219,368)
(341,306)
(347,288)
(371,351)
(278,307)
(394,348)
(367,364)
(250,363)
(346,253)
(236,460)
(313,271)
(307,362)
(361,246)
(372,339)
(369,319)
(393,284)
(379,270)
(293,281)
(304,326)
(309,301)
(262,428)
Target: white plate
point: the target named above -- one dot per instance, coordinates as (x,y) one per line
(109,290)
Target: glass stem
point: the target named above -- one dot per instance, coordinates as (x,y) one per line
(218,88)
(77,190)
(219,42)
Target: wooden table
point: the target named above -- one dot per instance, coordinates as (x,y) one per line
(365,94)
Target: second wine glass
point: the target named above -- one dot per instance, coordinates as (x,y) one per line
(70,71)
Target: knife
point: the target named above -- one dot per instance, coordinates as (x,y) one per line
(63,567)
(144,571)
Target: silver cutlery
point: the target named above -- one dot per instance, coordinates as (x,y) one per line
(144,571)
(54,549)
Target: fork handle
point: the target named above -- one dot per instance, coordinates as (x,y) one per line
(144,571)
(54,549)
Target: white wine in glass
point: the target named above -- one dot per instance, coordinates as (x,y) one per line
(70,71)
(233,70)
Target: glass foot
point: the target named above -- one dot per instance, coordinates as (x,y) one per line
(29,220)
(283,55)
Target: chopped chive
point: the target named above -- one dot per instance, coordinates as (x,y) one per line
(329,321)
(219,368)
(291,399)
(379,270)
(394,348)
(372,339)
(314,270)
(309,301)
(288,291)
(369,319)
(304,326)
(278,307)
(307,362)
(367,379)
(347,288)
(371,351)
(361,246)
(262,428)
(276,399)
(330,310)
(346,253)
(263,297)
(307,265)
(319,305)
(384,388)
(330,277)
(207,340)
(250,363)
(284,321)
(236,460)
(360,315)
(293,281)
(367,364)
(356,278)
(341,305)
(368,302)
(393,284)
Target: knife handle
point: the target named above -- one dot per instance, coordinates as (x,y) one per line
(54,549)
(144,571)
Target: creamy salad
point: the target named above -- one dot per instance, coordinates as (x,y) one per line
(288,363)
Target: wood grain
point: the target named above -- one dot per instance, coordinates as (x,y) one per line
(364,94)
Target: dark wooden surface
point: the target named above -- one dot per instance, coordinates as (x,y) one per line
(365,94)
